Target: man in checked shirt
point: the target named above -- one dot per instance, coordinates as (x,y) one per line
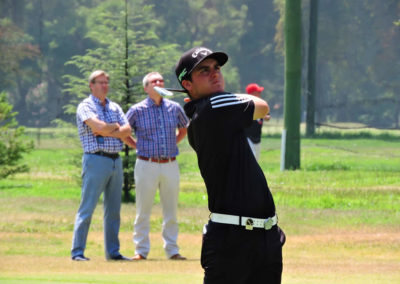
(155,121)
(102,128)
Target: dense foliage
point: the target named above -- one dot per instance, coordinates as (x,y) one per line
(357,51)
(13,143)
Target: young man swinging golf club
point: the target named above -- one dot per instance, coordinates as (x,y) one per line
(242,242)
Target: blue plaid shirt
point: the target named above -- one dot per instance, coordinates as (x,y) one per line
(91,107)
(155,127)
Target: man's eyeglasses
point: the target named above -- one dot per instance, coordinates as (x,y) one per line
(101,82)
(155,81)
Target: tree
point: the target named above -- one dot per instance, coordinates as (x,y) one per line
(128,48)
(385,68)
(15,48)
(213,23)
(56,29)
(256,56)
(12,141)
(357,41)
(356,44)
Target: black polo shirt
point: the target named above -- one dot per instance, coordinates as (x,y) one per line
(235,182)
(253,132)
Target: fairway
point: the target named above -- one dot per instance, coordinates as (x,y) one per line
(339,212)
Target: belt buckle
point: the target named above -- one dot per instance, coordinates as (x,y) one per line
(249,224)
(268,223)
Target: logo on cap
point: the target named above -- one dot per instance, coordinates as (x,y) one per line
(183,73)
(202,51)
(193,57)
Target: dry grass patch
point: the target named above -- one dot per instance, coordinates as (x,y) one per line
(344,257)
(32,255)
(363,256)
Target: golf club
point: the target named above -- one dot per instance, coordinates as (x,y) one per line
(167,92)
(163,92)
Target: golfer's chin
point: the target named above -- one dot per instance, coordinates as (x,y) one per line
(218,88)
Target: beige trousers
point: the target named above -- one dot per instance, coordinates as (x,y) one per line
(149,177)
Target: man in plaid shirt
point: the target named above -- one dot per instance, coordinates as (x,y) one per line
(155,121)
(102,127)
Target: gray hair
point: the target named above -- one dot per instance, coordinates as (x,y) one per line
(96,74)
(145,78)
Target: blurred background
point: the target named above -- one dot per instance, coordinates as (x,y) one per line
(49,47)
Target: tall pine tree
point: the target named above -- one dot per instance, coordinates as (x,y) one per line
(127,49)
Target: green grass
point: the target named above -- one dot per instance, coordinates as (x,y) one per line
(339,211)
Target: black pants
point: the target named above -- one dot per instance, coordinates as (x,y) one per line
(231,254)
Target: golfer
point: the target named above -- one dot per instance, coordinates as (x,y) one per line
(241,242)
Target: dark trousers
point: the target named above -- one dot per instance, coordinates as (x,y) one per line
(231,254)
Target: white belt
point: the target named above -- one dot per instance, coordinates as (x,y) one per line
(248,222)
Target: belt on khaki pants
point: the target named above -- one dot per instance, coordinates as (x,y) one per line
(157,160)
(248,222)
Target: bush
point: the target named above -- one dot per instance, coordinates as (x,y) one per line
(12,141)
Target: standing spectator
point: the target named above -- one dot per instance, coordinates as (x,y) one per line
(241,242)
(253,133)
(155,121)
(101,125)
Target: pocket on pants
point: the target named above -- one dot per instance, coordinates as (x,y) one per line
(212,244)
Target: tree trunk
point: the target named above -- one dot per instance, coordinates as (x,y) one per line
(312,59)
(292,107)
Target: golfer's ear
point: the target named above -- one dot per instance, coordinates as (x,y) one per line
(187,84)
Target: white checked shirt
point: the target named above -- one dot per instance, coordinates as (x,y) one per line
(91,107)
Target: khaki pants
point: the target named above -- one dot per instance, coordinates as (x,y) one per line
(150,176)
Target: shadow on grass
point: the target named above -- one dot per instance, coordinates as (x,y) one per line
(386,136)
(15,186)
(326,167)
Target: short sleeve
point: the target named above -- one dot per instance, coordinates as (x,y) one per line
(85,111)
(183,121)
(237,111)
(131,116)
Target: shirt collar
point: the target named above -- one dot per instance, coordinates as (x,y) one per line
(151,103)
(97,100)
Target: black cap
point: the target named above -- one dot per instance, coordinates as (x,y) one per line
(193,57)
